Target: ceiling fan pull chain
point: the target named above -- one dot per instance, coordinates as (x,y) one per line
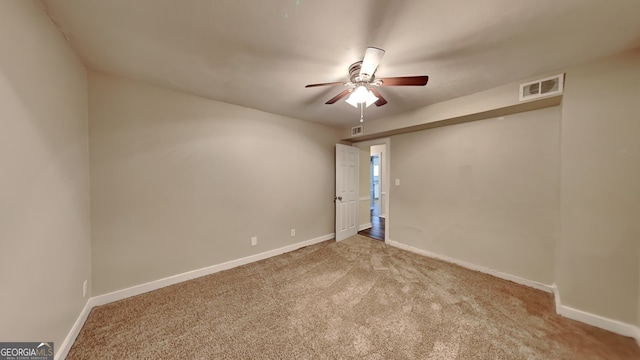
(361,112)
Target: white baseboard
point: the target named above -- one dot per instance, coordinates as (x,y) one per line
(157,284)
(63,350)
(482,269)
(171,280)
(601,322)
(365,226)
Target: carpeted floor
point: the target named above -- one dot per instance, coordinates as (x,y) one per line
(355,299)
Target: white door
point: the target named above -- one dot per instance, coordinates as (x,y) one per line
(346,191)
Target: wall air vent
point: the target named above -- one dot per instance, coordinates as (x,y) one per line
(549,86)
(357,130)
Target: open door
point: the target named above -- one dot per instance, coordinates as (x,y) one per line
(346,198)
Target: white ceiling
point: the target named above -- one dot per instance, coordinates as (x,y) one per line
(260,53)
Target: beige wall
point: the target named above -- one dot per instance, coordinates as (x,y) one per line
(181,183)
(601,188)
(44,181)
(482,199)
(483,192)
(476,203)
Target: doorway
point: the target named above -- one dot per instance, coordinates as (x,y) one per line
(374,200)
(374,183)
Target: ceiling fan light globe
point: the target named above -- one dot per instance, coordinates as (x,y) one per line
(351,102)
(361,95)
(371,98)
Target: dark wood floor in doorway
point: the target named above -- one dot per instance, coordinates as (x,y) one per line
(376,231)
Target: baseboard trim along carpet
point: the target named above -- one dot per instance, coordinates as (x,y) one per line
(602,322)
(63,350)
(614,326)
(482,269)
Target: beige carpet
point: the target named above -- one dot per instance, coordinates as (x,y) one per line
(356,299)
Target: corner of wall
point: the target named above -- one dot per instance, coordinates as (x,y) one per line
(598,321)
(45,179)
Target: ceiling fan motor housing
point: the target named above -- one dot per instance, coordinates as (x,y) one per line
(354,74)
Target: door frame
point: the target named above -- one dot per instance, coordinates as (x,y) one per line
(386,178)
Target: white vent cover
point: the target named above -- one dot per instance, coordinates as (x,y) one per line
(357,130)
(550,86)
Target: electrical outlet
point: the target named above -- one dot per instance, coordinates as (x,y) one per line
(397,182)
(254,241)
(293,232)
(84,289)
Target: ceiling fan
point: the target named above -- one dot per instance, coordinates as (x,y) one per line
(362,82)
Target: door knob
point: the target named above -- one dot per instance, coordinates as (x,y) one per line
(337,198)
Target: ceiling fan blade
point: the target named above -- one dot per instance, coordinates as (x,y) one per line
(339,96)
(371,61)
(404,81)
(381,101)
(326,84)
